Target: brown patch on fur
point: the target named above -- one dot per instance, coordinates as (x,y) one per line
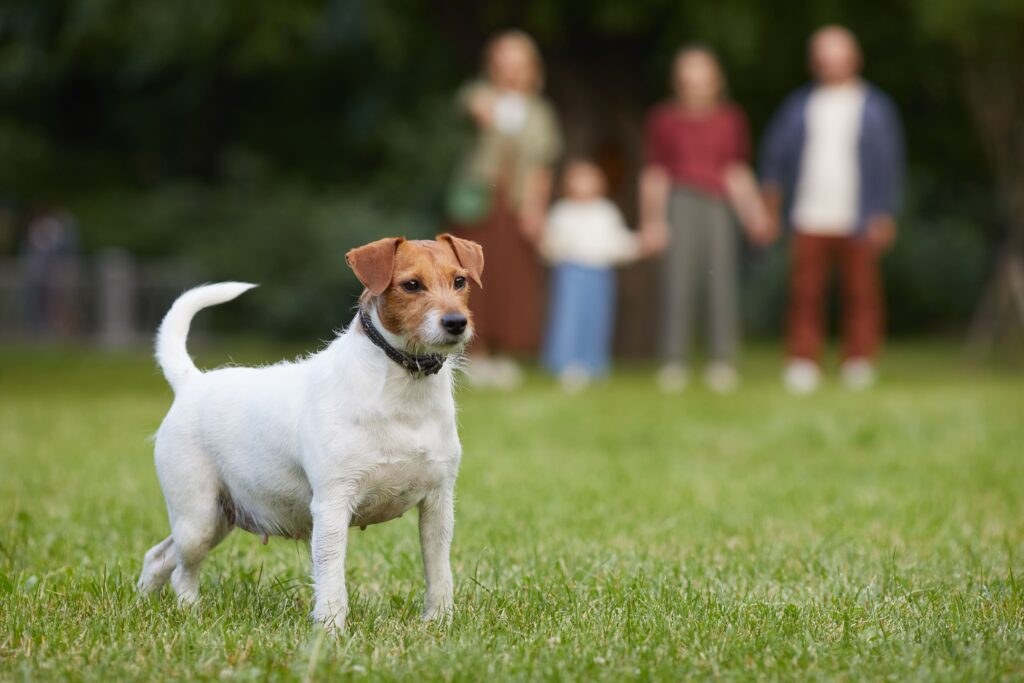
(470,255)
(374,263)
(435,264)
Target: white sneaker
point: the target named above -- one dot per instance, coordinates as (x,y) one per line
(506,374)
(574,379)
(479,371)
(858,373)
(801,377)
(721,378)
(672,378)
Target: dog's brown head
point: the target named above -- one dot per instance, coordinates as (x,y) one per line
(421,287)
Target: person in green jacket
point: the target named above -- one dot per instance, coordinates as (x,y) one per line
(500,200)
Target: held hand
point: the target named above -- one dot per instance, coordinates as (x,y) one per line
(481,108)
(771,200)
(758,213)
(532,225)
(654,237)
(765,231)
(881,231)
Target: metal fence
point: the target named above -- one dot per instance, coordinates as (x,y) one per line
(110,299)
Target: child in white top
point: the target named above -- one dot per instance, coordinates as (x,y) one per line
(585,238)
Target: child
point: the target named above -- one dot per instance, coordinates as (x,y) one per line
(585,237)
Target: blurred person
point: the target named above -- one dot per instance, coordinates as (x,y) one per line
(834,150)
(49,268)
(585,238)
(500,198)
(697,149)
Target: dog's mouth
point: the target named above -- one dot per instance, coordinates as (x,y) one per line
(434,335)
(442,342)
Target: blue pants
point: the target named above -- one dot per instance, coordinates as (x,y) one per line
(580,318)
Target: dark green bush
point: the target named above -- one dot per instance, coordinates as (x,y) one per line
(934,274)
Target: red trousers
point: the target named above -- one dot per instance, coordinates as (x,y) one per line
(813,257)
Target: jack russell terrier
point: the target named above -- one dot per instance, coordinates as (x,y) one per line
(354,435)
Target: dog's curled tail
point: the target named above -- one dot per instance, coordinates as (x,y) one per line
(171,353)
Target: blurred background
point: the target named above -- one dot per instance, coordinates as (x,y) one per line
(146,146)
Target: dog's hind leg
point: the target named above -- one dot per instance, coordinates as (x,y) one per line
(192,488)
(194,537)
(157,567)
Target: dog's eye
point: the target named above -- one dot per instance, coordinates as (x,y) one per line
(460,282)
(412,285)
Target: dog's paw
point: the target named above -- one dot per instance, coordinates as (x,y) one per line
(332,621)
(438,612)
(146,587)
(188,600)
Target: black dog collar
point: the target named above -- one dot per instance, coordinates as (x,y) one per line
(427,364)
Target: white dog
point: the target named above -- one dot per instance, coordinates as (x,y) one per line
(355,435)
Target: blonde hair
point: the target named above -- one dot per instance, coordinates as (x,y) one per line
(695,49)
(524,40)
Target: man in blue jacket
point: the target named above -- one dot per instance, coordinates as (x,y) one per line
(833,154)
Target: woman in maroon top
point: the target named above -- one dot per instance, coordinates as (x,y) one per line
(697,149)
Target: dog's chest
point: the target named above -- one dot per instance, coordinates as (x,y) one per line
(399,482)
(405,458)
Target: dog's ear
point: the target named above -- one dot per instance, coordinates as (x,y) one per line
(374,263)
(470,256)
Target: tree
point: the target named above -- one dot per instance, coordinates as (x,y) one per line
(988,37)
(287,131)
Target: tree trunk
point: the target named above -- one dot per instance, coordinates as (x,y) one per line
(995,93)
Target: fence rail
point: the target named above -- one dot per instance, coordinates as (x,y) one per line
(110,299)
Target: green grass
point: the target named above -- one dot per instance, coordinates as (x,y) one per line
(613,535)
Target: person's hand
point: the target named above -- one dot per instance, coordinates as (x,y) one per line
(481,108)
(654,237)
(881,230)
(763,231)
(770,223)
(531,222)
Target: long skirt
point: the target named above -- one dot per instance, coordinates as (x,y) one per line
(580,319)
(508,311)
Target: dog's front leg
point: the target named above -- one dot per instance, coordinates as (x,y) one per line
(331,518)
(437,524)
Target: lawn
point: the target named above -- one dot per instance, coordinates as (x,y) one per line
(618,534)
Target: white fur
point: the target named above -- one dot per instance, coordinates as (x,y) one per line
(307,449)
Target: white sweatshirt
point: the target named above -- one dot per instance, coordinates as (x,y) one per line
(588,233)
(828,187)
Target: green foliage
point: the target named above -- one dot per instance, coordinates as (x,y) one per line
(931,275)
(980,26)
(239,134)
(938,264)
(608,536)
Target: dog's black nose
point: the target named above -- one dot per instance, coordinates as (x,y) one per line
(454,323)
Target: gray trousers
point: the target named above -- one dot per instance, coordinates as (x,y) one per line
(700,263)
